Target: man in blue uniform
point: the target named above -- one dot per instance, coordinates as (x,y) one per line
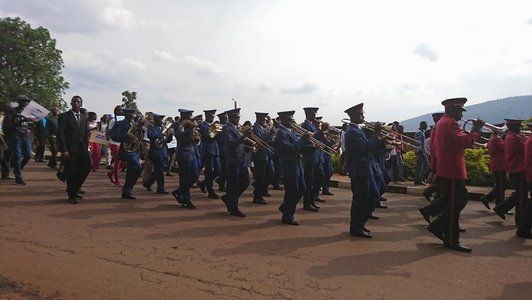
(289,147)
(360,164)
(119,133)
(158,154)
(311,161)
(221,148)
(262,160)
(237,170)
(187,135)
(210,155)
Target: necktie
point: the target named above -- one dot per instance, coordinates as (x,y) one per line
(77,117)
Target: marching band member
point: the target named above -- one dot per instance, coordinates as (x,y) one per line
(276,177)
(157,154)
(237,170)
(262,160)
(360,163)
(327,165)
(210,155)
(290,146)
(311,160)
(145,146)
(221,147)
(187,138)
(119,133)
(525,230)
(498,167)
(450,144)
(434,183)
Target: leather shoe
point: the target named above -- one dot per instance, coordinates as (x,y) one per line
(438,233)
(314,205)
(362,234)
(327,193)
(79,196)
(373,217)
(426,195)
(238,213)
(80,191)
(212,196)
(72,201)
(525,235)
(384,199)
(458,247)
(461,230)
(290,222)
(318,199)
(382,206)
(20,181)
(267,195)
(163,192)
(201,186)
(148,188)
(128,196)
(499,213)
(259,200)
(310,208)
(485,202)
(425,214)
(190,205)
(178,198)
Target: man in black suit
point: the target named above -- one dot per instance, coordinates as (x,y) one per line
(73,143)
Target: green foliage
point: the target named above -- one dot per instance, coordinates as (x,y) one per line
(30,64)
(128,100)
(477,161)
(336,163)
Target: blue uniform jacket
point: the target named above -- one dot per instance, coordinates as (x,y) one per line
(234,145)
(289,147)
(310,156)
(262,155)
(209,146)
(360,162)
(155,133)
(185,146)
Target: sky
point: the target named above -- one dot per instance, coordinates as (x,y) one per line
(401,58)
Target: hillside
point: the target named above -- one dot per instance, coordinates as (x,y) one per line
(493,112)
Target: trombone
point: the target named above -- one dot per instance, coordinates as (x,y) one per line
(389,134)
(317,143)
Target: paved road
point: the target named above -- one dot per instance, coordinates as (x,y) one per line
(149,248)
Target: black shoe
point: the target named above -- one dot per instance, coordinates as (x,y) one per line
(72,200)
(80,191)
(201,186)
(20,181)
(383,199)
(525,235)
(212,196)
(281,207)
(362,234)
(509,213)
(178,198)
(259,200)
(278,188)
(458,247)
(461,230)
(79,196)
(373,217)
(485,202)
(425,214)
(327,193)
(382,206)
(267,195)
(427,195)
(499,213)
(314,205)
(290,222)
(318,199)
(366,230)
(435,231)
(310,208)
(190,205)
(238,213)
(224,199)
(128,196)
(163,192)
(148,188)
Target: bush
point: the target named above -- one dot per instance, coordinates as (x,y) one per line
(336,163)
(477,161)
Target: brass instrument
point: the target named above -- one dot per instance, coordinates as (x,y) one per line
(215,129)
(389,134)
(317,143)
(262,143)
(493,128)
(480,145)
(135,136)
(332,129)
(167,126)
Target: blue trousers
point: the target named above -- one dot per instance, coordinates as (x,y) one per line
(263,177)
(237,183)
(294,188)
(188,174)
(212,169)
(312,183)
(422,166)
(327,174)
(20,146)
(364,191)
(134,169)
(157,174)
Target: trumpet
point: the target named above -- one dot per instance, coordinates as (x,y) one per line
(215,129)
(493,128)
(317,143)
(389,134)
(160,142)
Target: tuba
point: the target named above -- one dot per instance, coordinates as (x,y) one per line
(135,136)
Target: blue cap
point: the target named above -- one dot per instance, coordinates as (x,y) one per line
(355,109)
(185,111)
(286,114)
(154,115)
(261,114)
(311,109)
(210,111)
(233,111)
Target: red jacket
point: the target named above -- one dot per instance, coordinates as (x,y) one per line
(496,152)
(433,149)
(450,144)
(528,159)
(514,152)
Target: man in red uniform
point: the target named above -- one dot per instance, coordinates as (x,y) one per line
(524,231)
(434,182)
(497,167)
(450,168)
(514,157)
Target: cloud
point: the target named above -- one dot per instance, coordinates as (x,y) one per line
(165,56)
(306,88)
(426,51)
(530,21)
(264,88)
(133,63)
(201,67)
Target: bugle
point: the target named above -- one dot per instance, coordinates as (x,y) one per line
(493,128)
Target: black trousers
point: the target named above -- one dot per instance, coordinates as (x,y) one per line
(517,199)
(499,187)
(77,169)
(454,199)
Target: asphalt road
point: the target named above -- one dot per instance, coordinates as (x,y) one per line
(150,248)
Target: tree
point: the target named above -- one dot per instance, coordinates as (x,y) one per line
(30,64)
(128,100)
